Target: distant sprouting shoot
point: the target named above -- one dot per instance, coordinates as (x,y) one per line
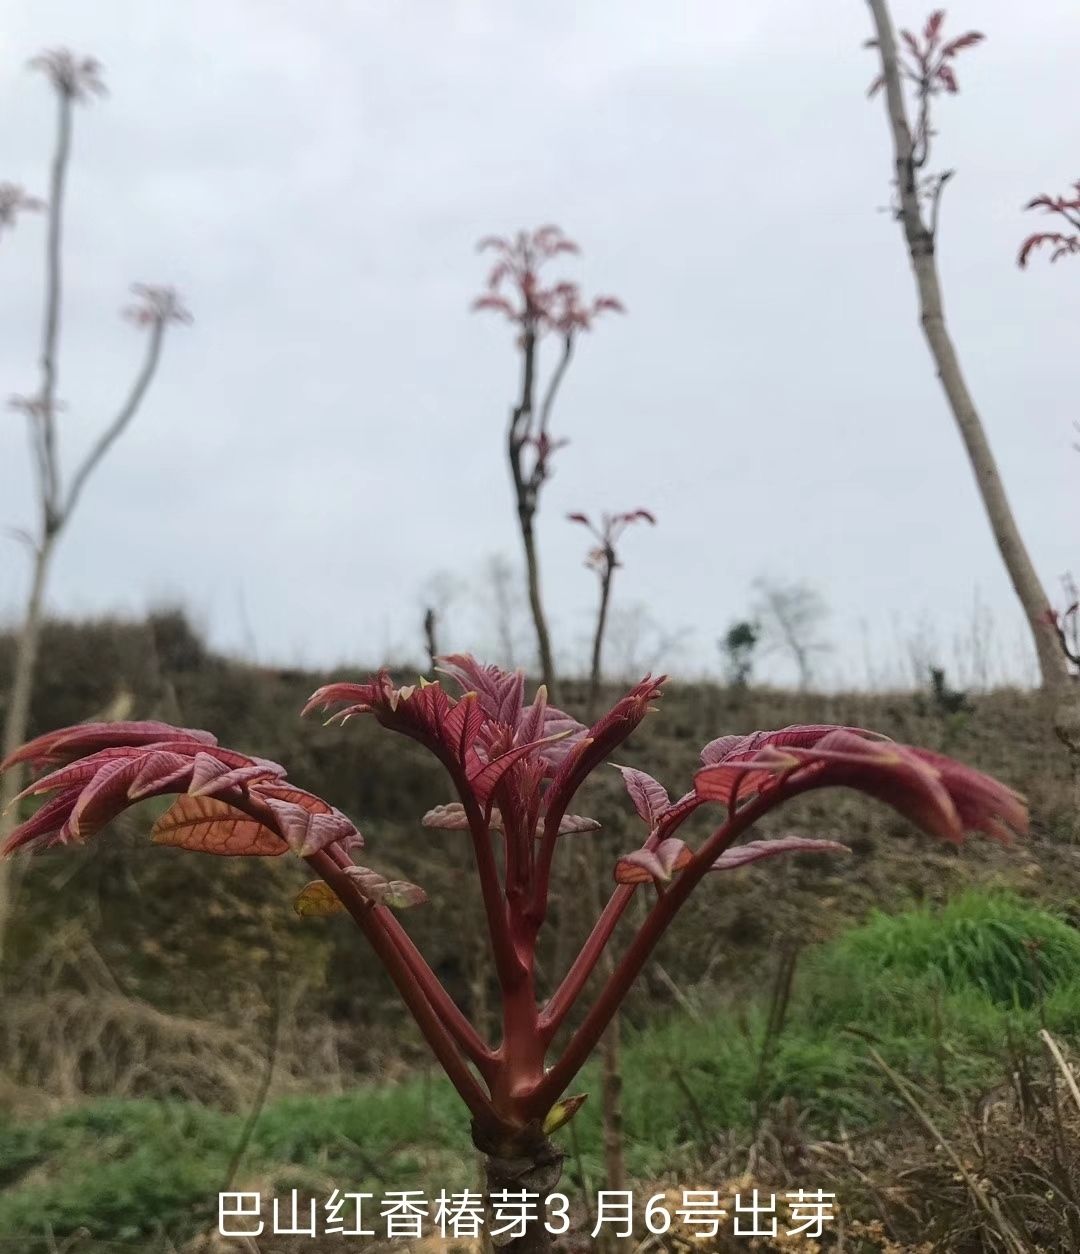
(1060,243)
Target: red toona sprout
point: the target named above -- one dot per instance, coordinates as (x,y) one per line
(515,767)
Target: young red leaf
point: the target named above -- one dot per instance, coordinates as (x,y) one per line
(305,831)
(574,824)
(160,770)
(357,697)
(210,776)
(660,863)
(208,825)
(649,796)
(56,747)
(79,772)
(44,828)
(946,76)
(448,818)
(968,40)
(451,818)
(941,796)
(484,781)
(462,726)
(101,799)
(756,850)
(300,797)
(397,894)
(499,692)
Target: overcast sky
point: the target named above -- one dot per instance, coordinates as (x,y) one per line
(328,435)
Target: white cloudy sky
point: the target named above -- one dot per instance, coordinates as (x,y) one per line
(328,435)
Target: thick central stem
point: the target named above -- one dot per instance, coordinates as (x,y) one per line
(521,1054)
(526,1160)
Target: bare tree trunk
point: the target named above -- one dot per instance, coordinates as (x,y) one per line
(1067,727)
(162,307)
(527,486)
(598,639)
(17,720)
(920,237)
(526,1160)
(611,1082)
(430,642)
(536,604)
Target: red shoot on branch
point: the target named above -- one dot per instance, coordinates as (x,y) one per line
(515,768)
(604,556)
(538,308)
(73,76)
(14,200)
(516,288)
(605,561)
(1068,209)
(927,62)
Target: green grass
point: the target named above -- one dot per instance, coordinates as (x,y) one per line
(940,992)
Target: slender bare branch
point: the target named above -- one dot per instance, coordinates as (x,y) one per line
(920,240)
(116,428)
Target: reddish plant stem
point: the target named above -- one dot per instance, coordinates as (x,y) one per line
(564,997)
(557,805)
(521,1054)
(413,986)
(508,964)
(606,576)
(585,1039)
(459,1027)
(562,1000)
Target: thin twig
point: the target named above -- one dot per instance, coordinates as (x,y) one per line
(268,1075)
(975,1188)
(1063,1066)
(116,428)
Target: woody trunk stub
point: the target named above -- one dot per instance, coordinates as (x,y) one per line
(523,1160)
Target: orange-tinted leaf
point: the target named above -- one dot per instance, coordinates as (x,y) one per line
(207,825)
(645,865)
(317,900)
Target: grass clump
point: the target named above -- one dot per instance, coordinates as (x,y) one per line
(994,943)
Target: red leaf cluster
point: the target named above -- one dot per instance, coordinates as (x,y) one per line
(516,289)
(926,60)
(1062,244)
(229,803)
(74,77)
(604,558)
